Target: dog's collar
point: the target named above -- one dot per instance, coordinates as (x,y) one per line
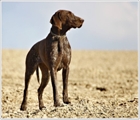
(57,35)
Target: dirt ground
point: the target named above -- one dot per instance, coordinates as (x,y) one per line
(102,84)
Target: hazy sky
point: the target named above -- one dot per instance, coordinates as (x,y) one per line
(107,26)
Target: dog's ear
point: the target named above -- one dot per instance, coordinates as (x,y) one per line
(55,20)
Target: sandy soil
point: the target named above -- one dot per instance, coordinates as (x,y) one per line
(102,84)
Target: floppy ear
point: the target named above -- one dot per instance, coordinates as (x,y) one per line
(55,20)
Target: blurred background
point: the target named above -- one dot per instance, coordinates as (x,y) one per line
(107,26)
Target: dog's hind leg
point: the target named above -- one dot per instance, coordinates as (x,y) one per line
(24,102)
(44,82)
(31,65)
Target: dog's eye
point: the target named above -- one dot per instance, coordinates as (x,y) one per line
(69,13)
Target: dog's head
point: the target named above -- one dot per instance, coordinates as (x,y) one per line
(65,18)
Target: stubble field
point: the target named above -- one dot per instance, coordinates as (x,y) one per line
(102,84)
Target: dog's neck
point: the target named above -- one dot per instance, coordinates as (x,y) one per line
(56,35)
(58,32)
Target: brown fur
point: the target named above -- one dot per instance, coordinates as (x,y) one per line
(52,54)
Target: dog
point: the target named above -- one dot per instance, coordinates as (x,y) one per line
(51,55)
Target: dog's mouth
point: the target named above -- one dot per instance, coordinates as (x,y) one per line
(80,26)
(77,24)
(81,23)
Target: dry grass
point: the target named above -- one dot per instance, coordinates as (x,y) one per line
(102,84)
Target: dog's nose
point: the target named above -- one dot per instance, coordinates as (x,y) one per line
(82,20)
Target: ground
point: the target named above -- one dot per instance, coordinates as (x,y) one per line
(102,84)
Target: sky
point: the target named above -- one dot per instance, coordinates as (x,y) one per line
(107,25)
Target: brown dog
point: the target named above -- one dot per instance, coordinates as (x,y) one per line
(52,54)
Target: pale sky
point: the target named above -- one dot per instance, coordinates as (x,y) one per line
(107,26)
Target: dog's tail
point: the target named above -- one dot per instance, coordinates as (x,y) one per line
(37,74)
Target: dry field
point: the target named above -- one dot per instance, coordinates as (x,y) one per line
(102,84)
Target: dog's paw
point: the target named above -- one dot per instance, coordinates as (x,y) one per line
(66,101)
(42,107)
(23,107)
(57,104)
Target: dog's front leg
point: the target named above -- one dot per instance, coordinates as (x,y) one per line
(65,74)
(54,86)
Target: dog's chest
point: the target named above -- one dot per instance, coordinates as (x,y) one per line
(60,53)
